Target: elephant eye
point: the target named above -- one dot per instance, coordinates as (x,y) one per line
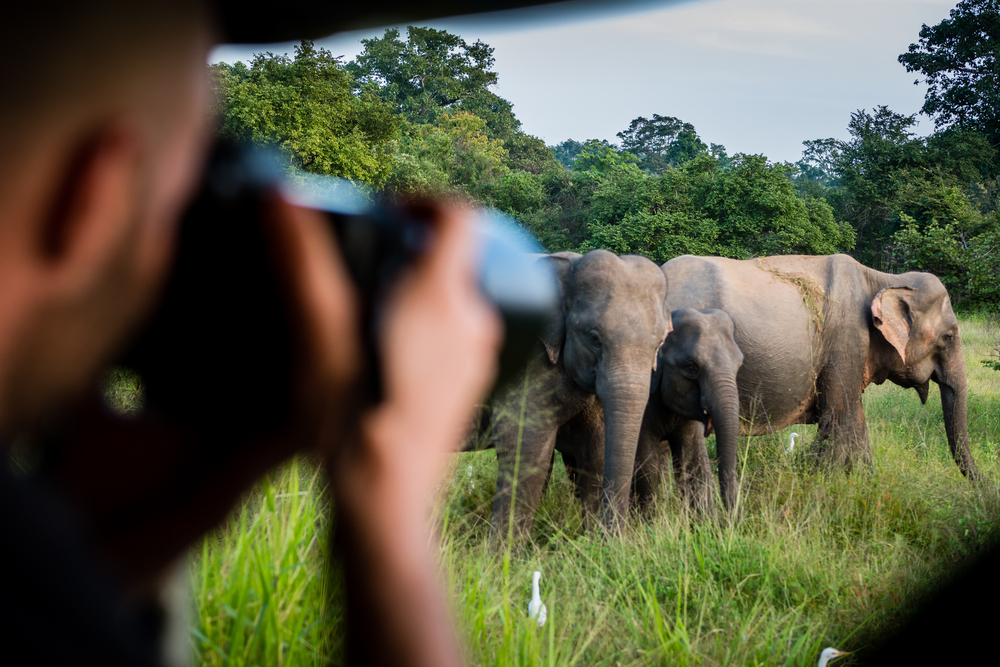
(691,368)
(595,338)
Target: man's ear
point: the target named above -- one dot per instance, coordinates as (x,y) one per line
(93,203)
(554,335)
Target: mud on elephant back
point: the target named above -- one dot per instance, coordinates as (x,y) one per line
(816,330)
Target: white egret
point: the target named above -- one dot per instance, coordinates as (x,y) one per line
(536,608)
(829,654)
(791,442)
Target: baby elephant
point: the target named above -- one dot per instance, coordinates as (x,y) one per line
(693,390)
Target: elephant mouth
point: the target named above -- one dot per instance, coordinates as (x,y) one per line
(709,427)
(912,383)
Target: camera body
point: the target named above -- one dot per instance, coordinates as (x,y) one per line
(217,355)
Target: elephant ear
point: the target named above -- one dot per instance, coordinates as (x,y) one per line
(657,372)
(891,315)
(666,332)
(554,334)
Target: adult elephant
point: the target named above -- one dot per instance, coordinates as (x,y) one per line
(815,331)
(591,377)
(694,391)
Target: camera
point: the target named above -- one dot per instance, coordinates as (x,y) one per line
(217,355)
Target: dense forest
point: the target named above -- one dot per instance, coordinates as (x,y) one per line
(416,114)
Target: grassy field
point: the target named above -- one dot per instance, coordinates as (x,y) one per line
(818,560)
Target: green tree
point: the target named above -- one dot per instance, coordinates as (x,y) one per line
(599,156)
(745,209)
(566,152)
(659,217)
(868,178)
(433,70)
(958,58)
(941,230)
(305,107)
(452,156)
(662,142)
(759,213)
(814,172)
(869,170)
(718,151)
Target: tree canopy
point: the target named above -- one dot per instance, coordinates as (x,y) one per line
(304,106)
(431,71)
(662,142)
(958,58)
(419,116)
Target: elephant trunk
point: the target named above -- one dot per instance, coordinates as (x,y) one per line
(720,399)
(954,390)
(624,393)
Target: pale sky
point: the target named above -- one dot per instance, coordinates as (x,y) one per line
(758,76)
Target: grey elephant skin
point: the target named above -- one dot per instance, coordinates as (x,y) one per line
(589,383)
(815,331)
(694,391)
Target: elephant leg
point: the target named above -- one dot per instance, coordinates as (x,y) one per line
(649,457)
(522,467)
(843,428)
(646,481)
(581,442)
(692,470)
(548,473)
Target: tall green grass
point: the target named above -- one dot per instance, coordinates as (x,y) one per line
(818,559)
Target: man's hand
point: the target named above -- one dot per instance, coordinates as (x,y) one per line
(438,351)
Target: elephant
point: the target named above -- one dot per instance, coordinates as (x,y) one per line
(815,331)
(693,392)
(591,377)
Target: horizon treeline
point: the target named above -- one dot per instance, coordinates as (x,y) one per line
(415,114)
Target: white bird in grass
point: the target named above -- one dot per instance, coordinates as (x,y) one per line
(791,442)
(829,654)
(536,608)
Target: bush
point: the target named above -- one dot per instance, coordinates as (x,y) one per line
(944,234)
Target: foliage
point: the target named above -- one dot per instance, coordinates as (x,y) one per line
(123,391)
(662,142)
(262,593)
(745,210)
(433,70)
(417,115)
(451,156)
(959,60)
(942,232)
(660,218)
(759,213)
(429,80)
(600,157)
(566,152)
(885,173)
(305,107)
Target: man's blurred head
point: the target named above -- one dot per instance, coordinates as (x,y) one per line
(102,133)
